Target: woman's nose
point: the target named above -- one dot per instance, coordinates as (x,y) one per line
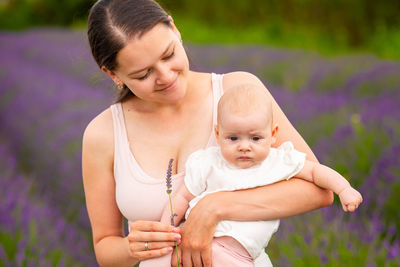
(165,75)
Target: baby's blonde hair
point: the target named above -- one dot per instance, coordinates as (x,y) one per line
(245,99)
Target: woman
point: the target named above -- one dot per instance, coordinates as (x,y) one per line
(165,111)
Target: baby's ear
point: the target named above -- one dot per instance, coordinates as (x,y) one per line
(216,131)
(274,133)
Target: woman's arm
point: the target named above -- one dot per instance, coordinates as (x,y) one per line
(112,248)
(280,200)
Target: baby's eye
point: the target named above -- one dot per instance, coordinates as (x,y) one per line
(256,138)
(233,138)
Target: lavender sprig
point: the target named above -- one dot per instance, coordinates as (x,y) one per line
(168,180)
(172,218)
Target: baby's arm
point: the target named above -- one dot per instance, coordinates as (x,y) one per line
(328,178)
(180,203)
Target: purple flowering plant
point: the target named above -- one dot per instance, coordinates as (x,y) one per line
(345,107)
(169,191)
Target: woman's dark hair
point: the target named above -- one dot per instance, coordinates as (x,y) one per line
(112,23)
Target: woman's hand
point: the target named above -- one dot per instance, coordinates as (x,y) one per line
(174,260)
(198,232)
(149,239)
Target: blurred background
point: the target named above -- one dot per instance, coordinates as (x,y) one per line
(335,26)
(333,66)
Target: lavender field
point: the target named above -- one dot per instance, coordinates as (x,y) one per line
(346,107)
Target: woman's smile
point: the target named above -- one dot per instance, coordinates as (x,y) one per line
(170,86)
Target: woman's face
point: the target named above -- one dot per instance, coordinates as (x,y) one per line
(154,66)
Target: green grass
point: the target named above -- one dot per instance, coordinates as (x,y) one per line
(384,43)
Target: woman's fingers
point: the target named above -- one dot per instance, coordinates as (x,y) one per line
(174,258)
(142,231)
(149,239)
(145,246)
(148,250)
(138,236)
(206,257)
(197,235)
(151,226)
(187,259)
(156,245)
(153,253)
(196,259)
(201,258)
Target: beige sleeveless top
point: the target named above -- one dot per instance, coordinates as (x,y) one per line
(138,195)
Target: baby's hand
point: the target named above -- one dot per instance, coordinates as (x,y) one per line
(350,199)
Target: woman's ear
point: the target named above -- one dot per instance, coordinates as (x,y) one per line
(274,133)
(112,75)
(174,28)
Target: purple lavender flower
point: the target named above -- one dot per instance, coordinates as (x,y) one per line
(172,218)
(168,179)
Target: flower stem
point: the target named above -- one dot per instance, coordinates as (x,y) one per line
(178,260)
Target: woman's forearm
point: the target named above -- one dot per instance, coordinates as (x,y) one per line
(275,201)
(113,251)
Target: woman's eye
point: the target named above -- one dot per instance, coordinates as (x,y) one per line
(144,76)
(233,138)
(170,55)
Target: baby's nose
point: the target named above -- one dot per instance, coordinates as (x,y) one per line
(244,145)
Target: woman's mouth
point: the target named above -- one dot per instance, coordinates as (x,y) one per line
(170,86)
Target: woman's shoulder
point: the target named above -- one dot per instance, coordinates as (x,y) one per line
(233,78)
(99,132)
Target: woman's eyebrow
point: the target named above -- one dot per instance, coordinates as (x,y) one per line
(145,68)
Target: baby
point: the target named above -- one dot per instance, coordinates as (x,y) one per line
(244,159)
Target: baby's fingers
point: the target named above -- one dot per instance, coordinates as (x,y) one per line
(345,208)
(351,207)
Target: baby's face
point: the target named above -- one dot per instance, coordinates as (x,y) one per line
(245,140)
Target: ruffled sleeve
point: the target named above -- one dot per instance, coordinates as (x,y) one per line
(292,158)
(284,163)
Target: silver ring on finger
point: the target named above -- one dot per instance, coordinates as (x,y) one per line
(146,245)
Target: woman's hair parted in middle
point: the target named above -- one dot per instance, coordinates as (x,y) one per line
(112,23)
